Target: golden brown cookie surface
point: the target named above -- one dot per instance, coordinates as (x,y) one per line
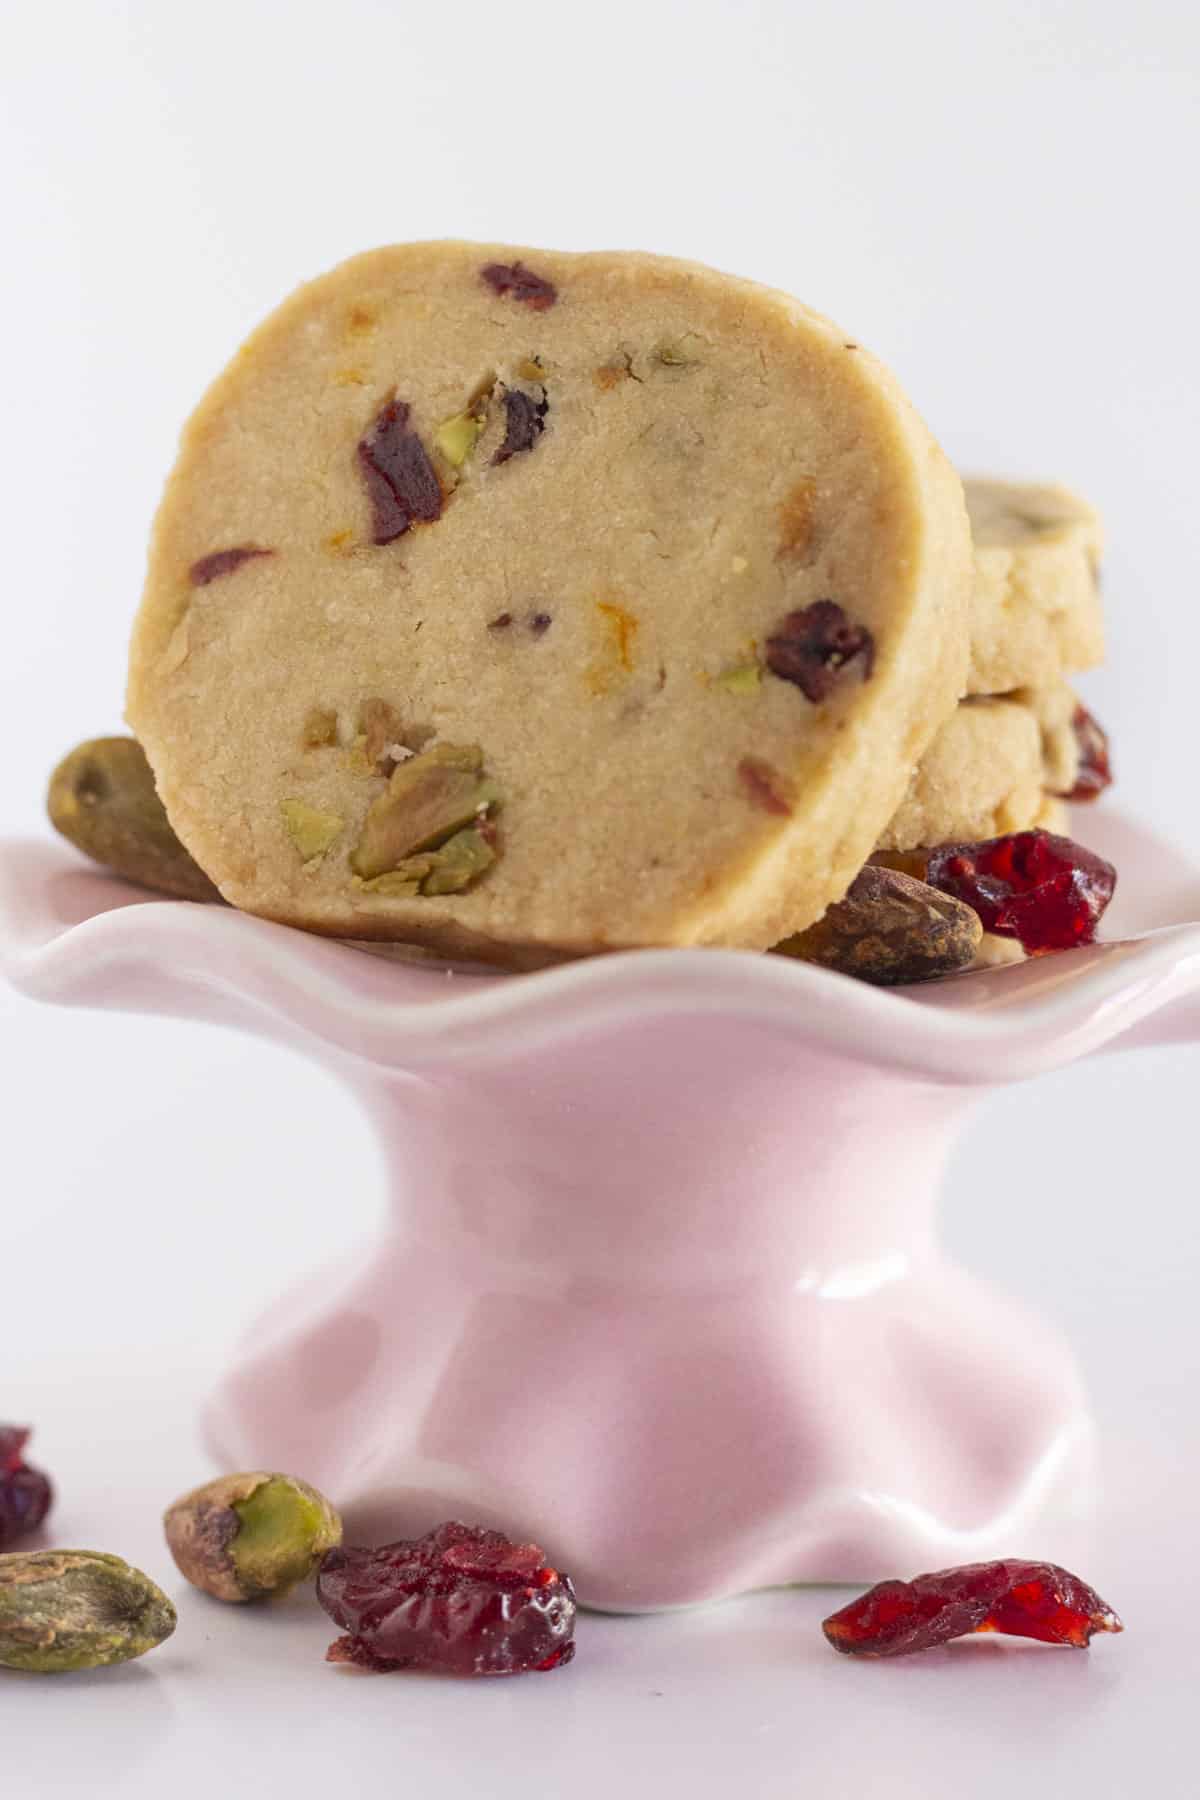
(506,597)
(1035,611)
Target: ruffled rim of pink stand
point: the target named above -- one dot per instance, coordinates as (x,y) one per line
(71,934)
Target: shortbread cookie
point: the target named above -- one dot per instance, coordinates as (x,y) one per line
(996,762)
(1075,747)
(1055,709)
(1053,815)
(504,598)
(981,776)
(1036,613)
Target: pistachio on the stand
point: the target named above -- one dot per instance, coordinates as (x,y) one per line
(249,1536)
(102,798)
(890,929)
(62,1610)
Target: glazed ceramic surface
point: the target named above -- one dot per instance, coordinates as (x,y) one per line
(662,1286)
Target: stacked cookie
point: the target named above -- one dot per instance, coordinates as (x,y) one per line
(1019,745)
(522,604)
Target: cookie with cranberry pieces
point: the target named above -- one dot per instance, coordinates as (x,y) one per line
(513,602)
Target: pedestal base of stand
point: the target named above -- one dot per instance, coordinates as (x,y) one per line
(663,1290)
(680,1452)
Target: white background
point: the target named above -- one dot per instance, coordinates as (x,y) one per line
(1000,200)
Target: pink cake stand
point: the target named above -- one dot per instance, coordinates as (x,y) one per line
(662,1287)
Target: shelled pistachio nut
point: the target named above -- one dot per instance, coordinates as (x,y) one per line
(890,929)
(249,1536)
(102,798)
(62,1610)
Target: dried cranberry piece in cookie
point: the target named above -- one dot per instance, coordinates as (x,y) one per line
(1016,1599)
(521,284)
(811,648)
(1046,891)
(401,481)
(763,785)
(1095,764)
(524,422)
(460,1599)
(223,562)
(25,1493)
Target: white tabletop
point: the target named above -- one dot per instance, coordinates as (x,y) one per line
(995,199)
(740,1699)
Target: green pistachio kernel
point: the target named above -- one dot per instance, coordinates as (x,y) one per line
(311,830)
(103,799)
(457,865)
(246,1537)
(456,437)
(677,355)
(62,1610)
(746,679)
(428,798)
(396,885)
(890,930)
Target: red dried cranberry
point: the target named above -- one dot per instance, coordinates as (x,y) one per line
(812,647)
(25,1493)
(223,562)
(524,422)
(460,1599)
(1095,764)
(1047,891)
(762,786)
(521,283)
(400,479)
(1017,1599)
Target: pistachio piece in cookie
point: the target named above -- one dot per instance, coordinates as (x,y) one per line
(312,831)
(428,800)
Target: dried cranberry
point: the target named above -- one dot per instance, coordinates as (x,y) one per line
(400,479)
(1047,891)
(762,786)
(524,422)
(813,646)
(1016,1599)
(460,1599)
(223,562)
(521,283)
(25,1493)
(1095,764)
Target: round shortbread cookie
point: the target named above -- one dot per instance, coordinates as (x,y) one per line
(981,776)
(1035,612)
(514,600)
(1055,709)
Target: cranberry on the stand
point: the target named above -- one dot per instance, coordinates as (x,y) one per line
(461,1600)
(1046,891)
(25,1493)
(1015,1599)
